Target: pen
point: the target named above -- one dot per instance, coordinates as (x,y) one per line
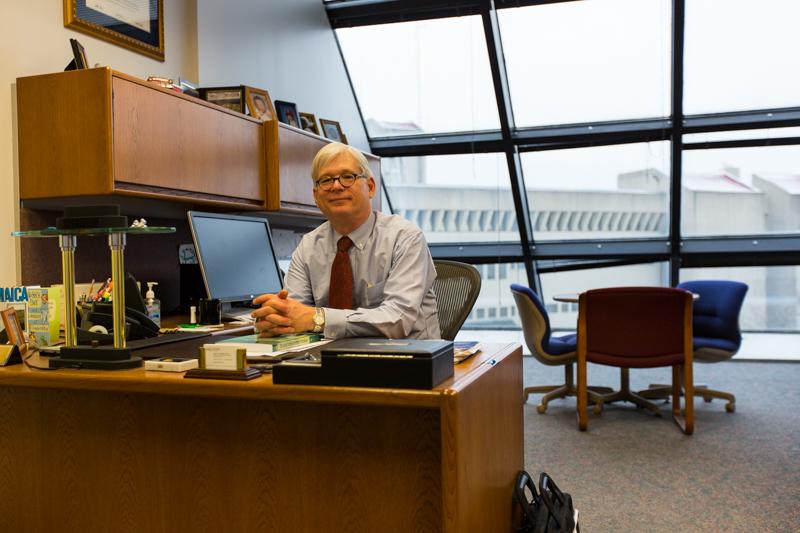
(91,288)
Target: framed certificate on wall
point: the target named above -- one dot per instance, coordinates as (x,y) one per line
(134,24)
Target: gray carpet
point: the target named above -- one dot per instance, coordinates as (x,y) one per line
(633,471)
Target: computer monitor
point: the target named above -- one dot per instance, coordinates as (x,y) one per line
(236,257)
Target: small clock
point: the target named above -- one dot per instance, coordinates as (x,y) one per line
(187,255)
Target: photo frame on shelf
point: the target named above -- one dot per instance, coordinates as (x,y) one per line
(14,332)
(332,130)
(79,60)
(137,25)
(188,87)
(259,104)
(308,122)
(229,97)
(287,113)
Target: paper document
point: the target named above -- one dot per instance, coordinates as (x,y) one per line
(463,350)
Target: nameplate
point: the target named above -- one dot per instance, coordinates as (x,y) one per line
(222,357)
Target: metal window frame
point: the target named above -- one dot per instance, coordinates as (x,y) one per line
(680,252)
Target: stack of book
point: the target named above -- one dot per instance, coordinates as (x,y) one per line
(268,348)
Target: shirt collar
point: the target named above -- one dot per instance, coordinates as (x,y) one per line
(359,235)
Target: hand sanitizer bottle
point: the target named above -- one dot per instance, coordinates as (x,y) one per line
(152,305)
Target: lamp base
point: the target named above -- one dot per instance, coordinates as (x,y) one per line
(103,358)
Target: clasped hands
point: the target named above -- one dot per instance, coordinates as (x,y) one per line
(280,314)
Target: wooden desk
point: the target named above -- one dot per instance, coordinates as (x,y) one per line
(130,450)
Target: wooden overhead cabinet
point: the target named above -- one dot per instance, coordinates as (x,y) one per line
(101,132)
(290,152)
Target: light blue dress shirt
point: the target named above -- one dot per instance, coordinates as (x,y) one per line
(393,275)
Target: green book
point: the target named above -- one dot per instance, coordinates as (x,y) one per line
(279,343)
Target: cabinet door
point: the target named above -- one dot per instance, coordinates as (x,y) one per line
(170,145)
(64,123)
(289,184)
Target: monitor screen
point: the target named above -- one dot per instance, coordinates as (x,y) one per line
(235,255)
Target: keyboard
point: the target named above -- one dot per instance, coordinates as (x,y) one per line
(239,314)
(167,338)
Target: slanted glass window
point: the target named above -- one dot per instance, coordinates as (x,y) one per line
(741,191)
(741,55)
(604,192)
(495,307)
(453,198)
(577,281)
(429,76)
(576,62)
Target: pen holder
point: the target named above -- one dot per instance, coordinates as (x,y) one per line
(209,311)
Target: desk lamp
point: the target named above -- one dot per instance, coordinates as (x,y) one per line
(93,221)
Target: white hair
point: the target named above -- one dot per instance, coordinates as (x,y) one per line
(331,151)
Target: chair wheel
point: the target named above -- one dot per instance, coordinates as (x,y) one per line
(541,409)
(598,408)
(707,399)
(730,407)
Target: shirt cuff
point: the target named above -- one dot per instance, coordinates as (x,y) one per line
(335,323)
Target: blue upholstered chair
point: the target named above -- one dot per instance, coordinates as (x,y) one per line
(549,350)
(716,330)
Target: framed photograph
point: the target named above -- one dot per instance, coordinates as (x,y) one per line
(79,60)
(332,130)
(135,24)
(287,113)
(188,87)
(309,122)
(259,104)
(13,329)
(230,97)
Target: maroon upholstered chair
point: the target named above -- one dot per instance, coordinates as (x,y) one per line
(638,327)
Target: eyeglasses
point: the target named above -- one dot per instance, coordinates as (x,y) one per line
(345,180)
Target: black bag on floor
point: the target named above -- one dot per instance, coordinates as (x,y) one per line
(546,510)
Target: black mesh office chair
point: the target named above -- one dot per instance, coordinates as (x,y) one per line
(457,287)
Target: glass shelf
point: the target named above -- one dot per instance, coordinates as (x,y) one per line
(55,232)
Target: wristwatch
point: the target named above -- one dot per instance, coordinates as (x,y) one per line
(319,320)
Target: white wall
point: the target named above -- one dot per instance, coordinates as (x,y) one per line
(284,46)
(33,40)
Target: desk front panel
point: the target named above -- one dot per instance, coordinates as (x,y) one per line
(87,461)
(85,450)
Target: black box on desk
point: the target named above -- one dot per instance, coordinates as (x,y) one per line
(302,373)
(375,362)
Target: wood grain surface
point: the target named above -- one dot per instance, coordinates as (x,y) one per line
(101,132)
(164,141)
(106,454)
(290,188)
(64,126)
(296,150)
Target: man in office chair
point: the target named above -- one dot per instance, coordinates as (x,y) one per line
(360,274)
